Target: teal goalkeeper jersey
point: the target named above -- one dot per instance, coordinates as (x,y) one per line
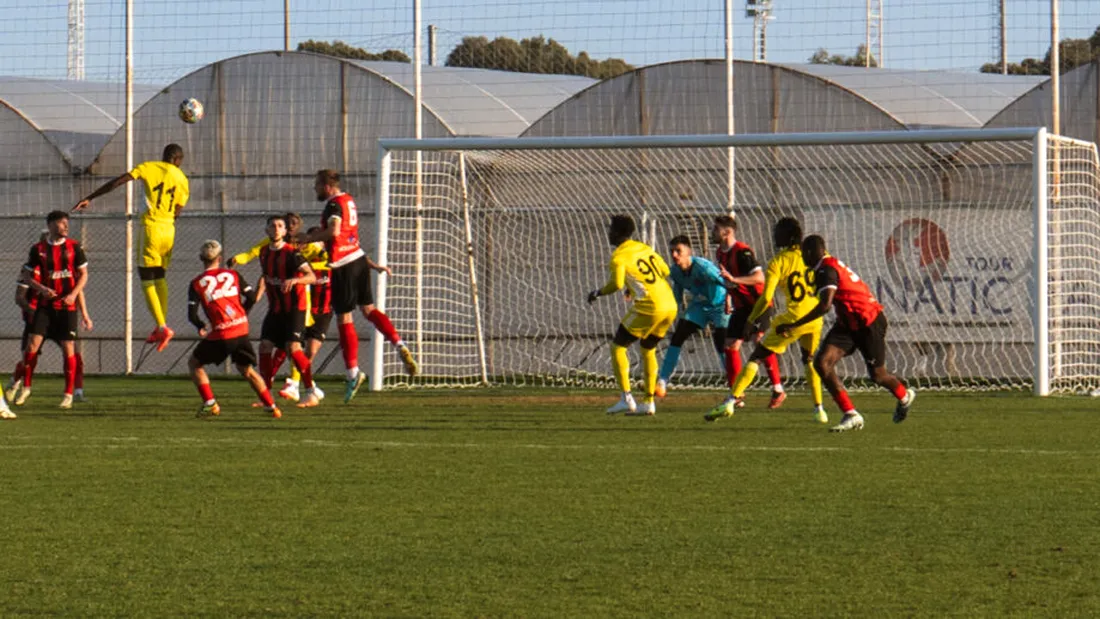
(702,280)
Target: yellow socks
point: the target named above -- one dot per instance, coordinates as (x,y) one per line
(649,364)
(745,378)
(815,383)
(621,364)
(152,299)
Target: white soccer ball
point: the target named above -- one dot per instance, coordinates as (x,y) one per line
(191,111)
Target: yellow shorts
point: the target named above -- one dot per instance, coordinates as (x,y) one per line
(156,244)
(642,325)
(808,335)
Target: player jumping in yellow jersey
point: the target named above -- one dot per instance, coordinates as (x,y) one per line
(643,271)
(166,193)
(788,270)
(315,254)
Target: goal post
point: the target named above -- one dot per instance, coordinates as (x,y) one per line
(979,244)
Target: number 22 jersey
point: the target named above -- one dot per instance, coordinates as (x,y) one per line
(218,292)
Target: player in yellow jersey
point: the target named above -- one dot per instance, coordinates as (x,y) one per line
(785,269)
(315,254)
(166,193)
(642,271)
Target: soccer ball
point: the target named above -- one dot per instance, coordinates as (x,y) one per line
(191,111)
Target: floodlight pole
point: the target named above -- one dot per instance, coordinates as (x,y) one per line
(1004,37)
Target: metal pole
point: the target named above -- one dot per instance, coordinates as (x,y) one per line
(1004,38)
(475,299)
(1042,290)
(432,38)
(381,252)
(286,25)
(731,156)
(128,317)
(867,39)
(418,48)
(1055,72)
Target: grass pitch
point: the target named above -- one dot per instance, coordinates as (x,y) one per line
(534,503)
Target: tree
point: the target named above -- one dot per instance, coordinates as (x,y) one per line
(531,55)
(1072,53)
(821,56)
(343,50)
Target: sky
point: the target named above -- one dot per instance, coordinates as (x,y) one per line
(173,38)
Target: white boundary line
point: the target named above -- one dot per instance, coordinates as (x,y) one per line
(131,442)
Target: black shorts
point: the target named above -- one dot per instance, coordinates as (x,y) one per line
(58,325)
(351,286)
(740,329)
(281,328)
(870,341)
(213,352)
(319,328)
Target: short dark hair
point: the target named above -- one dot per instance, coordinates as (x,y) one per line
(787,232)
(273,218)
(292,216)
(725,221)
(813,243)
(172,151)
(56,216)
(622,228)
(329,177)
(680,239)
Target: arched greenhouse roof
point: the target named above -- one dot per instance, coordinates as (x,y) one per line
(690,97)
(291,113)
(57,126)
(1080,109)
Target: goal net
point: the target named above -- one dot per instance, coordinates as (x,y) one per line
(983,247)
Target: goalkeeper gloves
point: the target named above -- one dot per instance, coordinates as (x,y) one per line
(592,296)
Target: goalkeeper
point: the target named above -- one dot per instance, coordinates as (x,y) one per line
(706,290)
(788,269)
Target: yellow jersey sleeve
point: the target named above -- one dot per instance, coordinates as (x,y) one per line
(772,277)
(254,252)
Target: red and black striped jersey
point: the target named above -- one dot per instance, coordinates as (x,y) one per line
(278,266)
(740,261)
(343,248)
(220,293)
(320,294)
(855,305)
(57,263)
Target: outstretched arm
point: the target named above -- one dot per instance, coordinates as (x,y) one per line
(824,304)
(615,281)
(106,188)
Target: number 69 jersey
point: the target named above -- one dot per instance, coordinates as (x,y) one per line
(789,274)
(639,268)
(219,292)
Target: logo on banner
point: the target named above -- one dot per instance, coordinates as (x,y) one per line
(917,251)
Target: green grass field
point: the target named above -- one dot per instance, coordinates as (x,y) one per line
(534,503)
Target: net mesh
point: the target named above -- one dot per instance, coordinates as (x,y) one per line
(942,233)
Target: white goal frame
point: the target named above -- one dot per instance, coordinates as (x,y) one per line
(1038,137)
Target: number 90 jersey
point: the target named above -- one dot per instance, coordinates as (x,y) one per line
(639,268)
(218,292)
